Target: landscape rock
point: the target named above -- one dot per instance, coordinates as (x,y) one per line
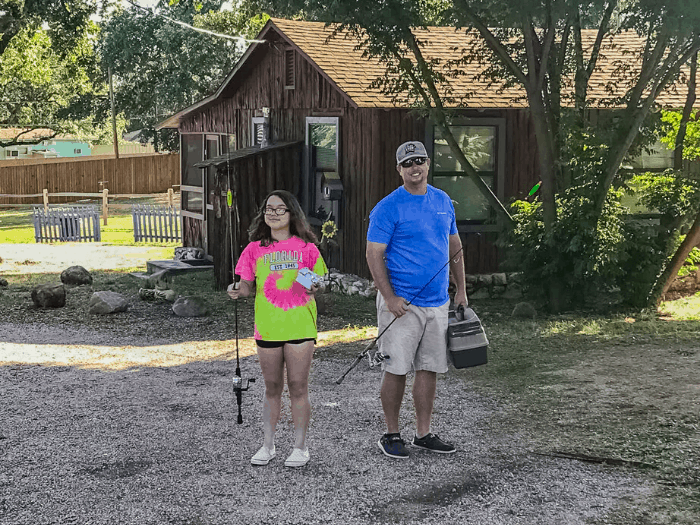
(3,281)
(76,276)
(106,302)
(49,295)
(189,307)
(188,252)
(500,279)
(524,310)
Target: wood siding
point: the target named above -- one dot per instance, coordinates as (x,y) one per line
(130,175)
(368,141)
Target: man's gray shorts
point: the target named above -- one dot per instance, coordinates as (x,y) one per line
(417,340)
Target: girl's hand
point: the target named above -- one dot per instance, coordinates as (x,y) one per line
(314,288)
(239,289)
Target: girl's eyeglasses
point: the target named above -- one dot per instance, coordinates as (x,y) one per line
(275,211)
(419,161)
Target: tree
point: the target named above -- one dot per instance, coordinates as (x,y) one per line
(42,88)
(161,67)
(540,46)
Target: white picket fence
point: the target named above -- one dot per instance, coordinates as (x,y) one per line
(66,223)
(155,223)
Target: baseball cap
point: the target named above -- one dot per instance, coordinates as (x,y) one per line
(410,150)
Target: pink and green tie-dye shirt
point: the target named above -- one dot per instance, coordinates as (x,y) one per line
(283,310)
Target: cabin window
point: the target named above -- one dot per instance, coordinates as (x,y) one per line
(192,188)
(14,153)
(77,151)
(322,163)
(289,69)
(482,144)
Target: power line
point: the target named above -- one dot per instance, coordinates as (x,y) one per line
(198,29)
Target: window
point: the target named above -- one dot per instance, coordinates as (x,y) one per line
(77,151)
(482,145)
(14,153)
(322,161)
(192,189)
(289,69)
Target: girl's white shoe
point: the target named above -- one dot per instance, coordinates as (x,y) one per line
(298,458)
(263,456)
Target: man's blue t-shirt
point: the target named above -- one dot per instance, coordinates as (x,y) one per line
(416,230)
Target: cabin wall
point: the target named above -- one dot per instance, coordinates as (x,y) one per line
(368,141)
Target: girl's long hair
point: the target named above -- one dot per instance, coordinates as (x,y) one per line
(298,225)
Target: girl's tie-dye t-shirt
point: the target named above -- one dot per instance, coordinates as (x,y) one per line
(283,309)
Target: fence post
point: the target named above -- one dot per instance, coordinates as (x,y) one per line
(170,197)
(46,199)
(105,208)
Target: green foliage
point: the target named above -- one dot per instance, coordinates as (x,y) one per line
(691,145)
(668,193)
(580,249)
(40,87)
(160,67)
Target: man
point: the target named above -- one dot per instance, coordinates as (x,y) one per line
(412,233)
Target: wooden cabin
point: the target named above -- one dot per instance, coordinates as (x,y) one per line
(299,112)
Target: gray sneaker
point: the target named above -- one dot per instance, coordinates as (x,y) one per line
(433,443)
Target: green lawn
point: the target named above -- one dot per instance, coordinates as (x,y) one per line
(16,227)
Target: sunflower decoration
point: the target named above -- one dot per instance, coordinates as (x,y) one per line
(328,230)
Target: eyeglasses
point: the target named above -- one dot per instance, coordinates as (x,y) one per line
(419,162)
(275,211)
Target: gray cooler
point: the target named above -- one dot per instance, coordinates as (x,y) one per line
(466,339)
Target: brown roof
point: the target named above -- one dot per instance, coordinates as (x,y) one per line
(338,56)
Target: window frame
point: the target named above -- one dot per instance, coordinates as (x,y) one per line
(499,178)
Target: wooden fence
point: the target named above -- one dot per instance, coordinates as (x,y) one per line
(66,223)
(145,174)
(155,223)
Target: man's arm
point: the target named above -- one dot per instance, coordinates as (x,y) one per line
(377,266)
(457,268)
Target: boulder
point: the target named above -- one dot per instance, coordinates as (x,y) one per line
(500,279)
(3,282)
(524,310)
(106,302)
(76,276)
(188,252)
(189,307)
(49,295)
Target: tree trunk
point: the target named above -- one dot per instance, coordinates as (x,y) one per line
(687,111)
(664,282)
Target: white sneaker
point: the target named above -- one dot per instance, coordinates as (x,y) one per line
(263,456)
(298,458)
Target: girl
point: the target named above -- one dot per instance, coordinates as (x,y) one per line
(285,314)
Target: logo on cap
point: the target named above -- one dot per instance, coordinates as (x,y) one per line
(410,148)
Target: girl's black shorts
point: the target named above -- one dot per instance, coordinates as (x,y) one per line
(276,344)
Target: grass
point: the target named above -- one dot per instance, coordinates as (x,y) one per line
(16,227)
(685,309)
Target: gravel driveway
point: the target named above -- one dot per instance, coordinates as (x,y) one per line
(91,443)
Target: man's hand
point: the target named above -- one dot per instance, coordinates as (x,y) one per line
(397,305)
(461,299)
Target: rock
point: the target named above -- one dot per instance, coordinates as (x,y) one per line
(185,253)
(500,279)
(498,290)
(3,282)
(513,291)
(189,307)
(470,279)
(76,276)
(481,293)
(148,294)
(524,310)
(485,279)
(49,296)
(106,302)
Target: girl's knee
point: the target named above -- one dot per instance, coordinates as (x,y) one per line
(298,389)
(273,389)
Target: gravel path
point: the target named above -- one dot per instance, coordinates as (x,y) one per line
(88,443)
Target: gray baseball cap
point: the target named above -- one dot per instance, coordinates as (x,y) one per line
(410,150)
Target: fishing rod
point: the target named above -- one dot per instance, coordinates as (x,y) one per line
(378,355)
(240,385)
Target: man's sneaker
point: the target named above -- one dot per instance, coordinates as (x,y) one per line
(433,443)
(263,456)
(393,446)
(298,458)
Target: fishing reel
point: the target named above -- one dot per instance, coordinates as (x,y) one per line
(377,359)
(240,384)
